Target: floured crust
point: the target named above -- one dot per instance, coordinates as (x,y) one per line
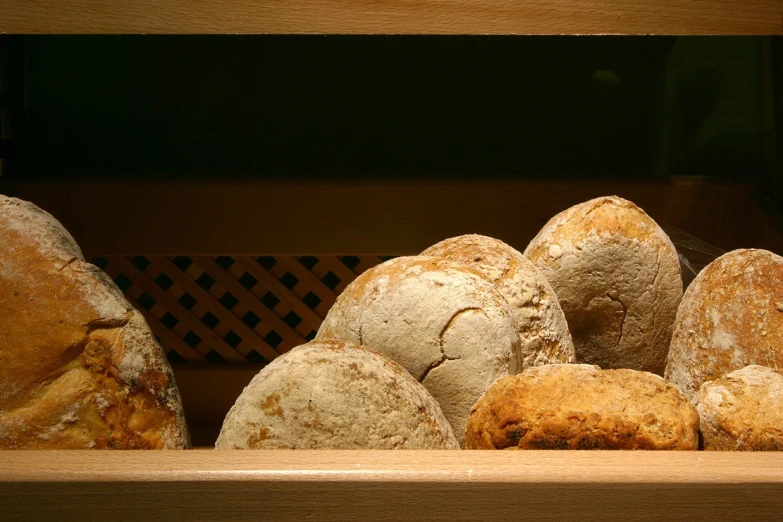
(579,406)
(617,277)
(79,367)
(441,320)
(335,395)
(731,316)
(742,410)
(541,323)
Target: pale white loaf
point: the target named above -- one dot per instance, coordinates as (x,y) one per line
(742,410)
(617,276)
(541,323)
(441,320)
(335,395)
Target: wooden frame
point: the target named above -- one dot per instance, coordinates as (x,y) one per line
(393,16)
(391,485)
(381,217)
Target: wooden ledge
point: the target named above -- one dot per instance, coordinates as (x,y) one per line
(392,16)
(298,217)
(415,485)
(520,467)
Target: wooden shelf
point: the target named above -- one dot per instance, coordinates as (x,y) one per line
(374,217)
(136,217)
(378,485)
(393,16)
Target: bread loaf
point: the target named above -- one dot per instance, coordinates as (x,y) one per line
(441,320)
(541,324)
(742,410)
(617,276)
(731,316)
(579,406)
(79,368)
(335,395)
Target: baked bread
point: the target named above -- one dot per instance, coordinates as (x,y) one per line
(79,368)
(441,320)
(617,276)
(541,324)
(335,395)
(731,316)
(742,410)
(579,406)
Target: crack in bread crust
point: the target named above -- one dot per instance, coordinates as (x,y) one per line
(543,331)
(79,368)
(443,321)
(617,275)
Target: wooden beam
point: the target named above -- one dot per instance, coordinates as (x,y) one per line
(392,16)
(378,217)
(386,485)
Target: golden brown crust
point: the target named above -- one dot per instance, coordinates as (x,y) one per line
(577,406)
(742,411)
(731,316)
(79,367)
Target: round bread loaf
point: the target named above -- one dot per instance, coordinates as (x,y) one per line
(335,395)
(579,406)
(541,324)
(79,367)
(617,276)
(742,410)
(441,320)
(731,316)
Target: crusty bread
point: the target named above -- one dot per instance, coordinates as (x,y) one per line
(579,406)
(617,276)
(742,410)
(441,320)
(731,316)
(541,324)
(335,395)
(79,368)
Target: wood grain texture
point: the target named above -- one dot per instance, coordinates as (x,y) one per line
(278,289)
(189,322)
(377,485)
(383,217)
(393,16)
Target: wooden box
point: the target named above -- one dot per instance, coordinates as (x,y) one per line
(158,238)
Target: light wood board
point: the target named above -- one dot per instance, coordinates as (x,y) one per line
(393,16)
(378,485)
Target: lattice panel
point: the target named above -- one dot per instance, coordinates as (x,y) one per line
(233,308)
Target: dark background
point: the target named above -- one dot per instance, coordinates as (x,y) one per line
(385,106)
